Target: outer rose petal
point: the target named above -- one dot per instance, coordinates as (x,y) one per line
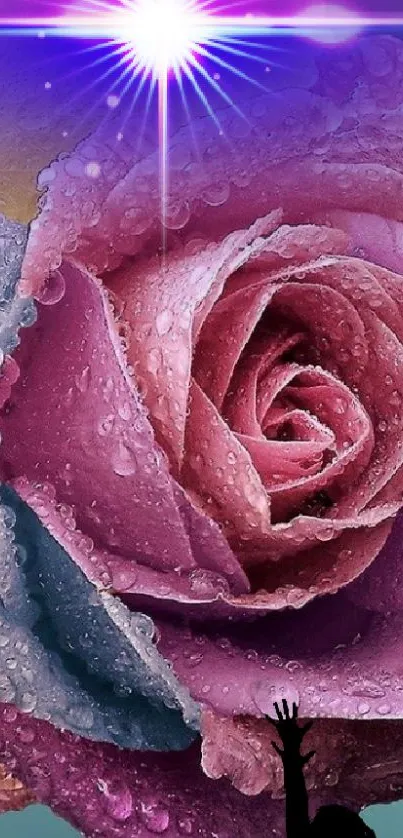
(105,791)
(95,445)
(298,125)
(74,655)
(333,657)
(100,450)
(354,762)
(380,588)
(108,792)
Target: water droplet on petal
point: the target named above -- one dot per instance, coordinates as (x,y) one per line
(216,194)
(124,462)
(53,290)
(163,322)
(28,702)
(118,800)
(9,713)
(93,169)
(124,579)
(384,709)
(177,215)
(27,735)
(81,717)
(154,817)
(83,380)
(207,583)
(185,826)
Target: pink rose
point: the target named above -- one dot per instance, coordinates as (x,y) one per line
(216,436)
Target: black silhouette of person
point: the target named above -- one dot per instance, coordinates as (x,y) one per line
(329,821)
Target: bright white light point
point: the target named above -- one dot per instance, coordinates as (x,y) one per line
(112,101)
(165,32)
(330,34)
(93,169)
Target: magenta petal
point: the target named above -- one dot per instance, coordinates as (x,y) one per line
(108,792)
(226,477)
(355,762)
(380,588)
(105,791)
(376,239)
(99,444)
(334,658)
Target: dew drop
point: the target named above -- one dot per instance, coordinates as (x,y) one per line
(82,717)
(83,380)
(177,215)
(325,534)
(331,778)
(123,580)
(9,713)
(368,690)
(384,710)
(216,194)
(93,169)
(163,322)
(26,735)
(293,666)
(118,800)
(28,702)
(185,826)
(154,817)
(124,412)
(207,583)
(105,425)
(53,290)
(124,462)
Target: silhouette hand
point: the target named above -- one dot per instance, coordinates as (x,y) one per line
(290,733)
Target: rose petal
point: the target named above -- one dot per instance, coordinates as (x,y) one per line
(105,791)
(333,657)
(380,588)
(241,408)
(14,312)
(221,470)
(231,323)
(98,441)
(73,655)
(376,239)
(241,750)
(162,308)
(224,336)
(261,166)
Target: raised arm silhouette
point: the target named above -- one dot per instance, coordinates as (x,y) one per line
(329,821)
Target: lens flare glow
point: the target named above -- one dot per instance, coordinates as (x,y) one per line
(335,34)
(166,33)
